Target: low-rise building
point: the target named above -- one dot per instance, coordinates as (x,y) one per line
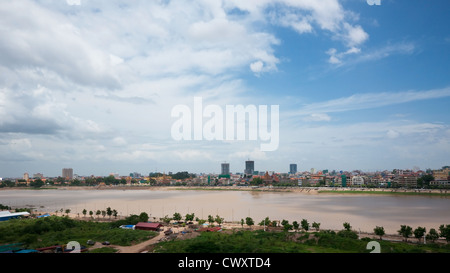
(406,180)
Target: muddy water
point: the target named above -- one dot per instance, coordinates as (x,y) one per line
(363,212)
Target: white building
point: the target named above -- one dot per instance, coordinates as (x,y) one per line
(357,180)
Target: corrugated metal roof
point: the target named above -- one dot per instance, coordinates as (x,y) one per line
(148,225)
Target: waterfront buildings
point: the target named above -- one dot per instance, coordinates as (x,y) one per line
(67,173)
(249,167)
(406,180)
(225,170)
(293,168)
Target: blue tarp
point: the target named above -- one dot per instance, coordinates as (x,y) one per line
(45,215)
(27,251)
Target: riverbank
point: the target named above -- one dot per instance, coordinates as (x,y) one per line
(305,190)
(183,232)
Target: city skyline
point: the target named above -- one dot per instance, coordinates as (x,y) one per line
(91,84)
(69,173)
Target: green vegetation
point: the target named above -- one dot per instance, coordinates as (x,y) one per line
(54,230)
(396,192)
(288,242)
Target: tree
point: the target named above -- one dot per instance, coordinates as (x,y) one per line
(109,212)
(249,222)
(176,216)
(166,219)
(405,231)
(316,226)
(143,217)
(257,181)
(115,213)
(84,212)
(98,212)
(103,213)
(445,232)
(379,231)
(424,181)
(189,217)
(37,183)
(91,213)
(432,235)
(295,225)
(266,222)
(286,225)
(67,211)
(110,180)
(305,225)
(419,232)
(210,219)
(219,220)
(347,226)
(242,222)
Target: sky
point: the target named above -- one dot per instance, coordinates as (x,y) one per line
(91,85)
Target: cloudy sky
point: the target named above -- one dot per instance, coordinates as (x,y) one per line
(91,84)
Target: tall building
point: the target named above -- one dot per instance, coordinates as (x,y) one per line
(38,175)
(293,168)
(26,176)
(67,173)
(249,167)
(225,169)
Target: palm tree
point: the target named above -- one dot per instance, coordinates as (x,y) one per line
(84,212)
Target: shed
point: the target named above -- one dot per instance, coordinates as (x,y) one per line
(211,229)
(6,215)
(148,226)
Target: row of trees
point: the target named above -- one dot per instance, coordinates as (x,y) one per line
(419,232)
(110,212)
(405,231)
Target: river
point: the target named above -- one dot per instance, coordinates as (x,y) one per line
(363,211)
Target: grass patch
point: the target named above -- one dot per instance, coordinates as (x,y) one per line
(49,231)
(284,242)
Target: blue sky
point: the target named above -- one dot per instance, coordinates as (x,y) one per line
(91,84)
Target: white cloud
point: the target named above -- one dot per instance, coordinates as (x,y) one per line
(109,73)
(370,100)
(317,117)
(73,2)
(355,35)
(392,134)
(257,67)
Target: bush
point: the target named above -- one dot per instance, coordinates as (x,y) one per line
(348,234)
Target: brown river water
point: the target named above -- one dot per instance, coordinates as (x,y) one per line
(363,212)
